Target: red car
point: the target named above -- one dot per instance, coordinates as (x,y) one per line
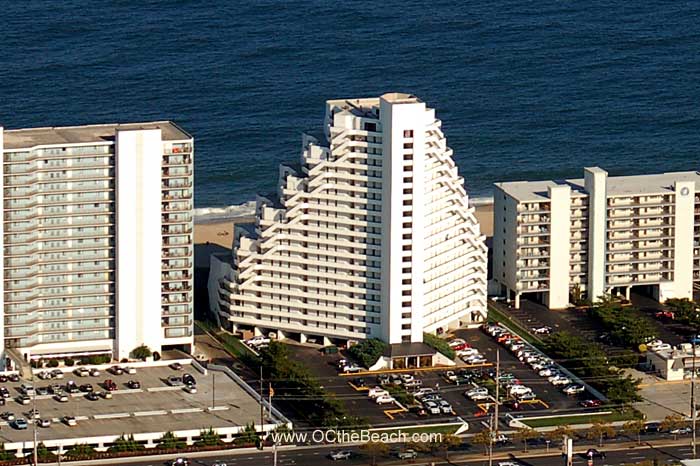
(665,315)
(590,403)
(504,337)
(461,346)
(109,385)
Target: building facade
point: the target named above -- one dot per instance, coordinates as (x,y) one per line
(370,235)
(97,240)
(598,235)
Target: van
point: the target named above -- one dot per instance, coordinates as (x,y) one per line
(27,389)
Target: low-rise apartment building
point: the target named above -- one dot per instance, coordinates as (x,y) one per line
(597,235)
(96,240)
(370,235)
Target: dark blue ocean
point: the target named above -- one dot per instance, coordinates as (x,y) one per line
(525,89)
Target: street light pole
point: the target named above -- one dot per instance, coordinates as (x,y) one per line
(33,420)
(493,430)
(213,389)
(693,412)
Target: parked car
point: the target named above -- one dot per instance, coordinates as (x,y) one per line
(574,389)
(191,389)
(24,400)
(174,381)
(92,396)
(526,396)
(86,388)
(61,397)
(43,422)
(70,421)
(20,423)
(176,366)
(34,413)
(110,385)
(681,431)
(57,374)
(377,392)
(590,403)
(116,370)
(456,342)
(665,315)
(133,384)
(542,330)
(130,370)
(8,416)
(445,407)
(180,462)
(13,377)
(81,372)
(188,379)
(106,395)
(4,392)
(27,389)
(384,399)
(562,381)
(432,407)
(95,372)
(340,455)
(258,340)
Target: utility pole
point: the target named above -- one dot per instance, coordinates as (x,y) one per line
(693,412)
(35,449)
(262,408)
(213,389)
(493,428)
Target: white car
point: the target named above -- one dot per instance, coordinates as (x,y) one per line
(456,342)
(662,347)
(351,368)
(259,340)
(340,455)
(384,400)
(519,390)
(432,407)
(467,352)
(445,407)
(508,463)
(377,392)
(81,372)
(422,392)
(405,378)
(574,389)
(562,381)
(547,372)
(477,391)
(130,370)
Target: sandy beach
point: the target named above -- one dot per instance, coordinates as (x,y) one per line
(221,233)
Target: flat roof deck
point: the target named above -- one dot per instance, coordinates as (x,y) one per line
(63,135)
(661,183)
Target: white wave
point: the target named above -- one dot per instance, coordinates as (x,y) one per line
(213,214)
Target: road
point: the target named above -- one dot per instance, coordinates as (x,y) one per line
(317,456)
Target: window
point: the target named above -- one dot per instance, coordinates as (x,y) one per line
(408,133)
(371,127)
(408,145)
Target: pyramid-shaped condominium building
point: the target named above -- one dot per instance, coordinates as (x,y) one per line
(370,236)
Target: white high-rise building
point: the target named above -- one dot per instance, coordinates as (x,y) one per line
(97,240)
(371,235)
(599,235)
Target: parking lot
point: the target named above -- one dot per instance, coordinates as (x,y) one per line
(550,399)
(154,407)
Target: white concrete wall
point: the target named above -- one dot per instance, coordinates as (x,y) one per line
(683,242)
(559,260)
(395,119)
(138,159)
(595,184)
(505,246)
(2,248)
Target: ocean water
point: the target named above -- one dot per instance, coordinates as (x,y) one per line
(525,89)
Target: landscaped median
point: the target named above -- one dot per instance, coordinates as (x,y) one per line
(576,419)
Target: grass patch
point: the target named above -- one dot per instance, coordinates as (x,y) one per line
(446,429)
(232,344)
(496,315)
(587,419)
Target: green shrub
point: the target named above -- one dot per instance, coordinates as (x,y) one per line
(170,442)
(80,450)
(69,362)
(368,352)
(439,345)
(141,352)
(52,363)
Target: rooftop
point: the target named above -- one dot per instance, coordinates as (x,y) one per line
(661,183)
(398,350)
(63,135)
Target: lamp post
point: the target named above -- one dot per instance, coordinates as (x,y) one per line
(693,411)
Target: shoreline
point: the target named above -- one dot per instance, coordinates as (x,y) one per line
(218,231)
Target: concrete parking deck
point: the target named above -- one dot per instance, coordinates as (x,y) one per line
(156,407)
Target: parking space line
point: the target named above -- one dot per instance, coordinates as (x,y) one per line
(150,413)
(111,416)
(186,410)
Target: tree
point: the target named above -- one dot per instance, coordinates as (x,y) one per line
(672,422)
(524,434)
(123,443)
(368,352)
(80,450)
(599,431)
(374,449)
(170,442)
(483,438)
(208,438)
(249,436)
(559,433)
(44,453)
(622,390)
(634,427)
(141,352)
(447,442)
